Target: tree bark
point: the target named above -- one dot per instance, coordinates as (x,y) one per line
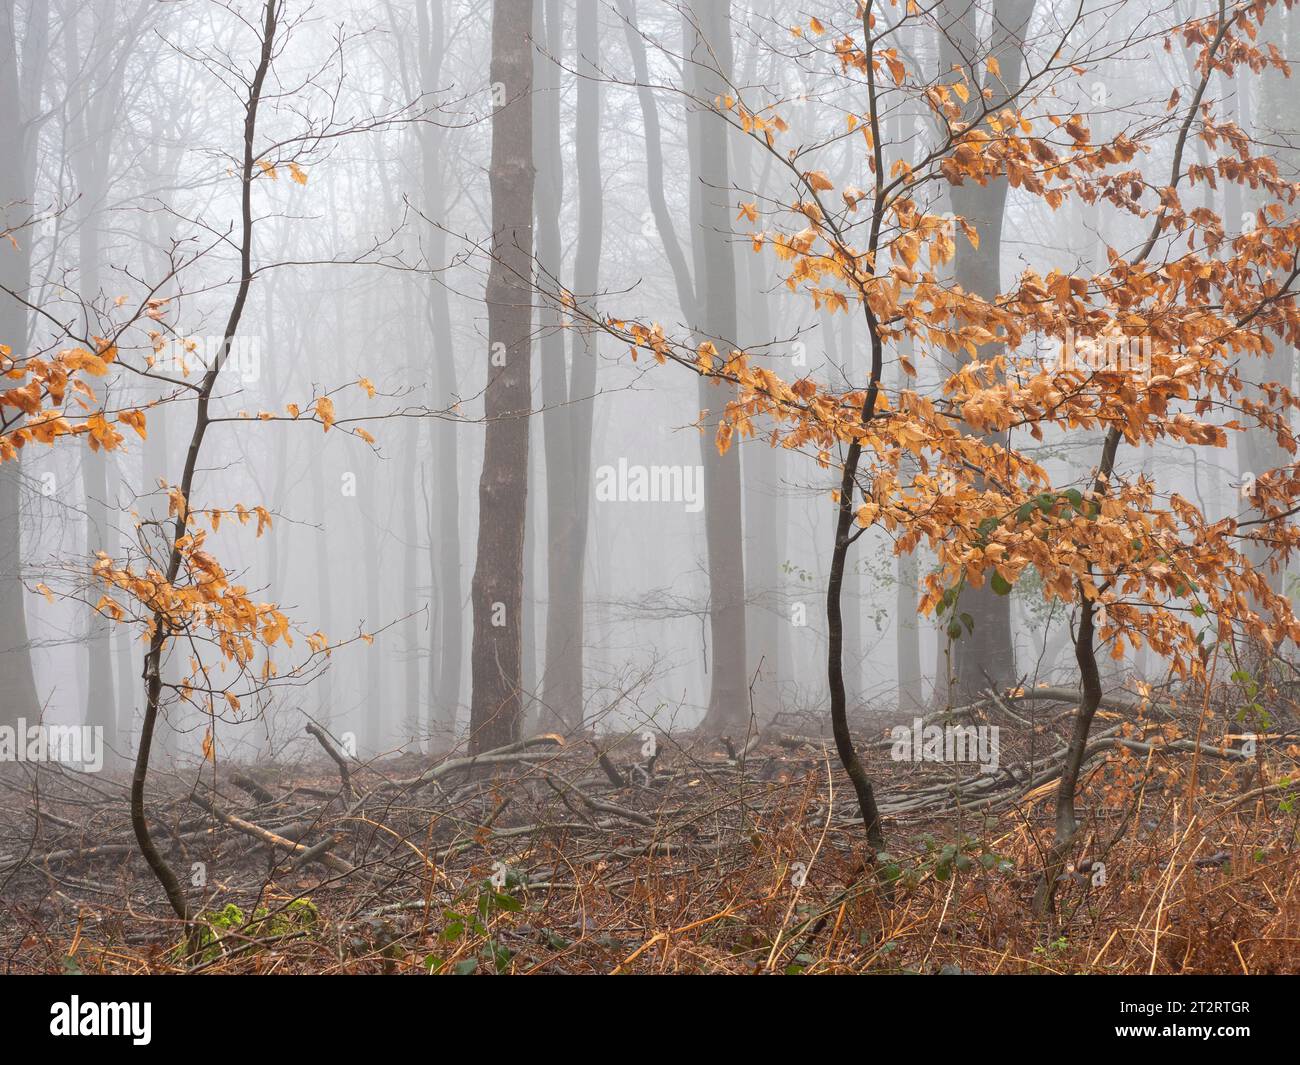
(162,632)
(569,425)
(21,76)
(1275,124)
(444,682)
(495,707)
(710,50)
(986,655)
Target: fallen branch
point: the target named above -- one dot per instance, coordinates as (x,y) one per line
(266,836)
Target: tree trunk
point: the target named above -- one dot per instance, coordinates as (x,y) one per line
(101,709)
(373,706)
(1274,123)
(709,39)
(765,511)
(568,417)
(986,656)
(907,623)
(503,487)
(447,648)
(20,80)
(556,707)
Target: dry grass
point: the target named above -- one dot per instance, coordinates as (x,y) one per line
(690,870)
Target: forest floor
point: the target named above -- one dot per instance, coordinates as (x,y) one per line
(717,856)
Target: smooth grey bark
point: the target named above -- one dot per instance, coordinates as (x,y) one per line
(762,467)
(447,647)
(101,708)
(709,57)
(584,349)
(548,28)
(22,74)
(568,395)
(323,557)
(365,511)
(414,728)
(907,651)
(168,134)
(1275,122)
(765,517)
(404,726)
(987,655)
(907,622)
(497,590)
(690,291)
(158,467)
(93,96)
(528,682)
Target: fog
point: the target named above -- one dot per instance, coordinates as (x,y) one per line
(372,214)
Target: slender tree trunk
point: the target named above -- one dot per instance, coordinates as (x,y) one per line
(503,487)
(413,728)
(535,500)
(447,649)
(1066,826)
(374,706)
(101,709)
(94,98)
(765,511)
(569,426)
(124,664)
(570,596)
(323,566)
(162,633)
(709,37)
(1276,124)
(987,655)
(20,81)
(557,703)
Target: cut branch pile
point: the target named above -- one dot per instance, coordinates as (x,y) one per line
(574,855)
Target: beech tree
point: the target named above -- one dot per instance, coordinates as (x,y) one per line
(1137,565)
(444,667)
(984,315)
(208,641)
(90,142)
(497,705)
(23,61)
(986,656)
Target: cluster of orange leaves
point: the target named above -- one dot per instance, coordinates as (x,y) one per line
(202,599)
(191,595)
(201,602)
(942,470)
(34,404)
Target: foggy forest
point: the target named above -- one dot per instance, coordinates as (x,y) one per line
(649,486)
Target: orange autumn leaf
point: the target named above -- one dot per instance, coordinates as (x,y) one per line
(325,412)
